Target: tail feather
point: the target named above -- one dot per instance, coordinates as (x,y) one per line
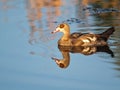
(105,35)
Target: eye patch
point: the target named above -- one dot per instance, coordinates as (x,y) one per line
(61,25)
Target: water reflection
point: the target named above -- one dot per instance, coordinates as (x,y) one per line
(94,14)
(87,50)
(103,13)
(20,70)
(40,27)
(43,15)
(99,3)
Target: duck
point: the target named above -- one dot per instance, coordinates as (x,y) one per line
(81,39)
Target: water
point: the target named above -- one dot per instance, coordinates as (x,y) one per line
(27,45)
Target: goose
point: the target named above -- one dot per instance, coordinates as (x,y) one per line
(81,39)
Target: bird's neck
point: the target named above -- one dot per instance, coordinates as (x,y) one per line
(66,58)
(65,36)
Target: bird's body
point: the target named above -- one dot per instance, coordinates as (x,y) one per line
(85,43)
(82,39)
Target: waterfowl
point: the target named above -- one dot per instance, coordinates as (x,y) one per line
(81,39)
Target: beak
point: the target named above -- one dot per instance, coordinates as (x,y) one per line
(56,60)
(55,31)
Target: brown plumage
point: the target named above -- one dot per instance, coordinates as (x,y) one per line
(82,39)
(87,50)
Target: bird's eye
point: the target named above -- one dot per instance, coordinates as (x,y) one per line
(61,25)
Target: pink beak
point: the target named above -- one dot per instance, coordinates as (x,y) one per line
(55,31)
(55,59)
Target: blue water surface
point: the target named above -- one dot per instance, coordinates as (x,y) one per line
(27,45)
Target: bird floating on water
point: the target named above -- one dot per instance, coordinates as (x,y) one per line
(82,39)
(85,43)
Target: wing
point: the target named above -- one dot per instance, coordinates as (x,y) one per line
(76,35)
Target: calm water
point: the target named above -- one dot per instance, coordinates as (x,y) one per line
(27,45)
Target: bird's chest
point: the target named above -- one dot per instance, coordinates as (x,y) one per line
(65,42)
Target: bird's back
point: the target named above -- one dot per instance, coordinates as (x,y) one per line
(87,39)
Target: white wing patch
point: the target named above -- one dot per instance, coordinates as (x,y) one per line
(89,39)
(92,38)
(86,40)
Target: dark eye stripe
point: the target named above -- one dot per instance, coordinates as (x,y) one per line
(61,25)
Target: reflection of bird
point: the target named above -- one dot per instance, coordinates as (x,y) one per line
(82,39)
(86,50)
